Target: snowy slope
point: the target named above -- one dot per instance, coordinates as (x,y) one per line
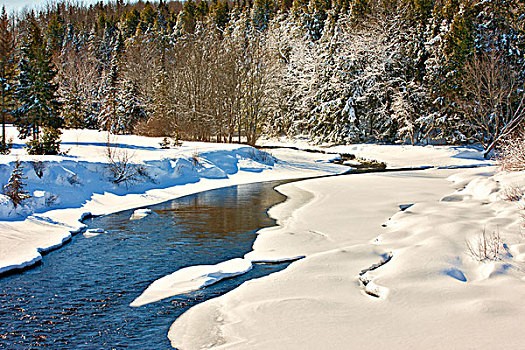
(66,188)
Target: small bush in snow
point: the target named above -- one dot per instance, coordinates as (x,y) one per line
(260,156)
(512,194)
(51,200)
(168,142)
(48,144)
(486,247)
(511,156)
(165,143)
(195,159)
(5,148)
(38,167)
(121,167)
(14,188)
(73,179)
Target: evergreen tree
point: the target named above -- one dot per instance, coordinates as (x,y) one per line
(56,32)
(14,188)
(147,17)
(108,116)
(131,22)
(188,16)
(221,14)
(262,13)
(74,110)
(36,91)
(7,72)
(130,109)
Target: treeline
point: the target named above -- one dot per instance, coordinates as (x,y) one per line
(340,71)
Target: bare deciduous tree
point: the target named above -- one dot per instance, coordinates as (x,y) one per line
(493,101)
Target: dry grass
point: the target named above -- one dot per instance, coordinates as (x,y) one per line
(486,247)
(512,194)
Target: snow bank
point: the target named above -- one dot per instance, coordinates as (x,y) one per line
(191,278)
(396,156)
(410,283)
(67,187)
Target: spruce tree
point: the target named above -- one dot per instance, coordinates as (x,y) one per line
(36,92)
(108,116)
(130,109)
(262,13)
(14,188)
(7,72)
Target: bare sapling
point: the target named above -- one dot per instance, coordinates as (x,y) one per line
(121,167)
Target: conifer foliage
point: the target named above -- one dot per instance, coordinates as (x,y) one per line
(7,73)
(36,93)
(340,71)
(14,189)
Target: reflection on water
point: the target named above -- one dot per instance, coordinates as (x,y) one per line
(79,298)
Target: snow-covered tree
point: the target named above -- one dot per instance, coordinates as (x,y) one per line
(7,73)
(14,188)
(36,90)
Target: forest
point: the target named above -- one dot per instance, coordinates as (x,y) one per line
(337,71)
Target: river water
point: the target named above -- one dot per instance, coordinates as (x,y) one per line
(79,297)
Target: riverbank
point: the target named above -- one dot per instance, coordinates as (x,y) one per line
(69,187)
(387,264)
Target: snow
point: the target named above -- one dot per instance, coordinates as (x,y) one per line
(70,187)
(93,232)
(385,265)
(396,156)
(191,278)
(382,260)
(140,213)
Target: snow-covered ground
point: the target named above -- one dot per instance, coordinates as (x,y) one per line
(387,265)
(395,156)
(68,187)
(385,257)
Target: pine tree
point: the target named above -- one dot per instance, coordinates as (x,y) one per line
(147,17)
(262,13)
(188,16)
(55,33)
(131,22)
(220,14)
(14,188)
(7,72)
(130,109)
(36,91)
(108,116)
(74,109)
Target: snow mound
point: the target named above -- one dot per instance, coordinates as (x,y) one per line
(191,278)
(140,213)
(93,232)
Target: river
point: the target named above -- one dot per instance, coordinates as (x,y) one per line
(79,297)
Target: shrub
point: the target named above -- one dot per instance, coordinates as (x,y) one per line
(5,148)
(38,167)
(511,155)
(486,247)
(512,194)
(195,159)
(48,144)
(121,166)
(168,142)
(260,156)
